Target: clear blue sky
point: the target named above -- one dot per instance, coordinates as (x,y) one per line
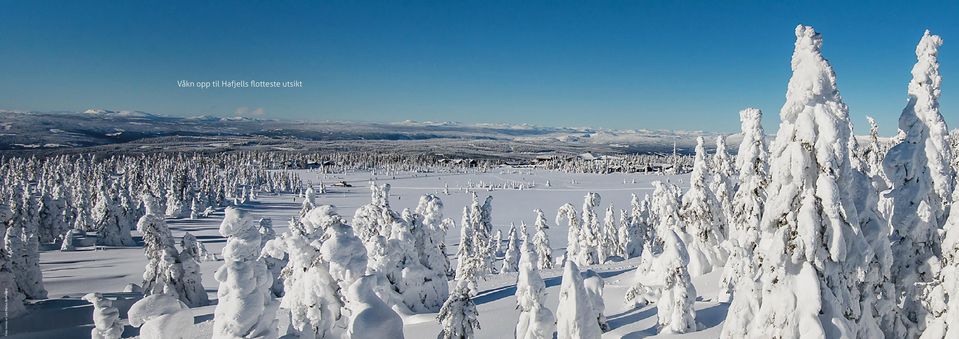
(611,64)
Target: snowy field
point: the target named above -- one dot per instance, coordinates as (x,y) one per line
(70,275)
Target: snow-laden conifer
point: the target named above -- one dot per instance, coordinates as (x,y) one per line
(811,245)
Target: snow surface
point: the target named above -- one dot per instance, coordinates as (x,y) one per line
(68,276)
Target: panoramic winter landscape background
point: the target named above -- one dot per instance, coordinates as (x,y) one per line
(804,222)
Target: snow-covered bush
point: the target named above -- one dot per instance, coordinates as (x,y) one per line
(106,318)
(162,316)
(245,307)
(371,318)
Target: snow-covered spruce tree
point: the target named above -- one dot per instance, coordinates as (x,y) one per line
(875,152)
(311,295)
(535,320)
(594,289)
(811,243)
(458,316)
(309,201)
(164,273)
(111,226)
(371,318)
(465,248)
(174,202)
(544,253)
(12,303)
(483,232)
(703,216)
(575,317)
(496,243)
(511,257)
(650,275)
(342,249)
(635,230)
(191,278)
(739,281)
(877,291)
(159,249)
(924,91)
(430,242)
(723,182)
(403,270)
(610,243)
(376,218)
(590,234)
(916,207)
(106,318)
(942,294)
(674,309)
(22,243)
(245,307)
(53,222)
(573,246)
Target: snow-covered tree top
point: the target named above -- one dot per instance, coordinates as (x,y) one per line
(925,74)
(813,81)
(236,221)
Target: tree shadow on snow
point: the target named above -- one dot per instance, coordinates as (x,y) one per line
(510,290)
(630,316)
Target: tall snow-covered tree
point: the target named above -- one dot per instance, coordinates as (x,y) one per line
(430,242)
(245,307)
(590,234)
(611,246)
(573,230)
(739,280)
(23,244)
(574,316)
(942,293)
(535,320)
(458,317)
(674,309)
(164,272)
(811,241)
(723,182)
(703,216)
(544,253)
(511,256)
(311,295)
(13,302)
(111,225)
(915,171)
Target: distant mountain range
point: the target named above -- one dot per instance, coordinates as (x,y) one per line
(135,131)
